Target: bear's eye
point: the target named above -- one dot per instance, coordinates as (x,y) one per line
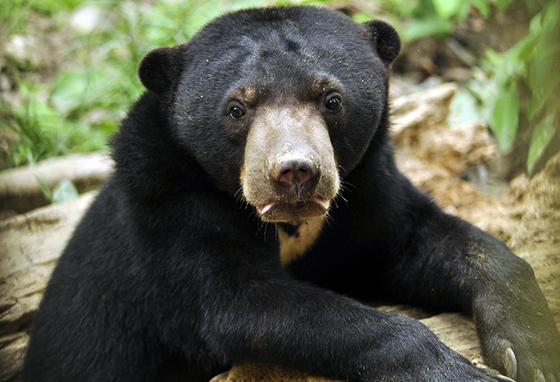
(333,103)
(236,112)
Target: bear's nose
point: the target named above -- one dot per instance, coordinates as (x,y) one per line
(297,172)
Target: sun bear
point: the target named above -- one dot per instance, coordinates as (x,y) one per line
(254,204)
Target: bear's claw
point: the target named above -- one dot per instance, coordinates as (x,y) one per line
(503,378)
(510,363)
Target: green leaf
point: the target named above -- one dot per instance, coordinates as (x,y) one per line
(447,8)
(483,7)
(486,91)
(418,29)
(505,117)
(502,4)
(76,88)
(540,137)
(463,108)
(543,84)
(522,50)
(46,190)
(64,192)
(464,11)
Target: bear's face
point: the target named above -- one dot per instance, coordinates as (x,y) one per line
(278,104)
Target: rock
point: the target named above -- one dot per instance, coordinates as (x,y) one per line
(421,110)
(420,121)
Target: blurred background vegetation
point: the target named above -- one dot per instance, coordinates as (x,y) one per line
(68,67)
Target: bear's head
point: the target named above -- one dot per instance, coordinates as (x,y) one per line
(280,103)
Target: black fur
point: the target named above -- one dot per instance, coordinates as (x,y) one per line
(170,275)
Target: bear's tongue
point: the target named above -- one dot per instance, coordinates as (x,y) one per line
(265,208)
(326,204)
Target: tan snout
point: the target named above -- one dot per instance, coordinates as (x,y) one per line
(290,173)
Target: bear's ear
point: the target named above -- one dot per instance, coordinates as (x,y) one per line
(385,40)
(160,68)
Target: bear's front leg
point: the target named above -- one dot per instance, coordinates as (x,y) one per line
(516,328)
(464,268)
(287,323)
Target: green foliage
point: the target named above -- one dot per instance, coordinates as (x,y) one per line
(42,130)
(63,191)
(425,18)
(45,131)
(530,66)
(50,7)
(80,107)
(505,116)
(522,81)
(543,79)
(14,13)
(495,87)
(12,16)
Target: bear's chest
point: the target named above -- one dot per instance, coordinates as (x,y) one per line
(295,240)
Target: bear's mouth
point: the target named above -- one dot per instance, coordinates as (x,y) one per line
(293,212)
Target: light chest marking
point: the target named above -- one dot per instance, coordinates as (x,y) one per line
(295,240)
